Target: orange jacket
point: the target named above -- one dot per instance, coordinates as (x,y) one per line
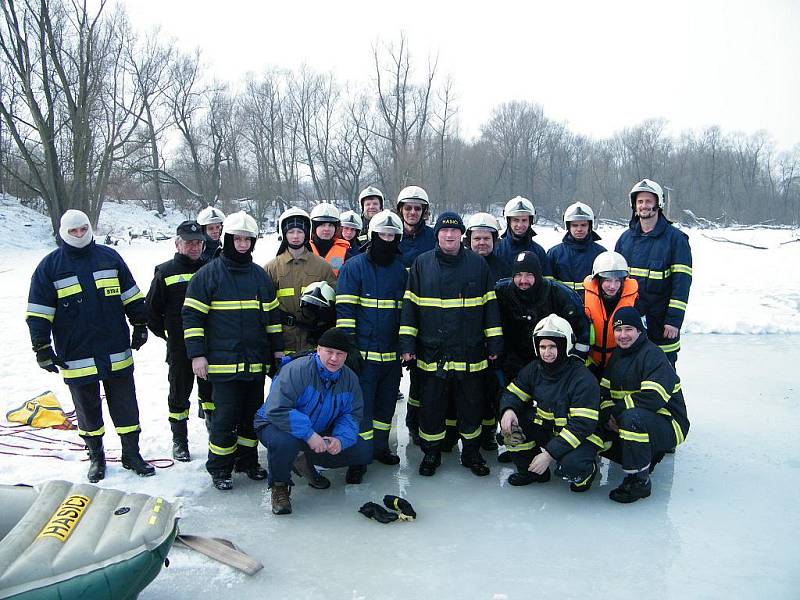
(601,337)
(335,255)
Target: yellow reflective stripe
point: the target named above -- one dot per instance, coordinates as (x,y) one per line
(605,383)
(656,387)
(454,365)
(136,296)
(248,442)
(104,283)
(130,429)
(236,368)
(406,330)
(595,439)
(283,292)
(94,433)
(560,421)
(540,412)
(413,402)
(193,332)
(122,364)
(181,416)
(381,426)
(649,274)
(347,323)
(633,436)
(346,299)
(488,422)
(679,438)
(677,304)
(428,437)
(471,435)
(208,406)
(588,413)
(514,389)
(521,447)
(42,312)
(81,372)
(620,394)
(196,304)
(677,388)
(606,404)
(674,347)
(274,328)
(628,401)
(378,356)
(493,331)
(450,422)
(664,411)
(569,437)
(179,278)
(367,435)
(69,291)
(374,302)
(234,305)
(268,306)
(220,451)
(449,302)
(679,268)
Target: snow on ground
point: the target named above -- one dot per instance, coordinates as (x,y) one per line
(720,522)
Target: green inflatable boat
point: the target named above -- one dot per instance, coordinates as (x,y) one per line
(61,540)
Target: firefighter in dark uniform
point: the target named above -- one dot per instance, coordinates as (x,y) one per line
(660,259)
(81,293)
(164,303)
(371,201)
(520,216)
(570,262)
(368,302)
(210,219)
(414,208)
(555,402)
(642,408)
(233,332)
(451,327)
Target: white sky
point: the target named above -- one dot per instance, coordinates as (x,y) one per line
(598,65)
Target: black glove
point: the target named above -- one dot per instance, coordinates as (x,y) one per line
(47,359)
(407,512)
(139,336)
(377,512)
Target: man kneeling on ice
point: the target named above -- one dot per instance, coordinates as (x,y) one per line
(311,418)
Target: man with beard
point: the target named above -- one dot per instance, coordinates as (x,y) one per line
(520,216)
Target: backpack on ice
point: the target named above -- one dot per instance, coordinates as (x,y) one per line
(42,411)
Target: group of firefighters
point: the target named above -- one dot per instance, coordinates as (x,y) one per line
(571,351)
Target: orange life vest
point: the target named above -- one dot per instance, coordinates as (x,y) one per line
(602,334)
(336,255)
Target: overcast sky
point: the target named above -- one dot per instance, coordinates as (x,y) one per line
(598,65)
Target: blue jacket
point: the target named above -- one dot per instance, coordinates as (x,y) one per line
(661,261)
(411,246)
(305,398)
(571,261)
(231,316)
(82,296)
(369,298)
(508,248)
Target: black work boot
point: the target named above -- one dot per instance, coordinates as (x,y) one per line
(180,441)
(430,461)
(281,504)
(255,472)
(131,459)
(222,481)
(97,458)
(488,438)
(634,487)
(355,474)
(582,486)
(471,458)
(386,457)
(304,468)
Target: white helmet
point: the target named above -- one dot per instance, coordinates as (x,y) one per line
(483,220)
(240,223)
(647,185)
(412,193)
(553,326)
(610,264)
(325,212)
(290,214)
(578,212)
(352,219)
(318,293)
(520,207)
(210,215)
(386,222)
(368,192)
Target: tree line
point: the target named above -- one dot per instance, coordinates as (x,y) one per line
(90,110)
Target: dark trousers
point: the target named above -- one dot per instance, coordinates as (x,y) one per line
(121,399)
(642,440)
(414,395)
(575,465)
(283,447)
(231,438)
(379,384)
(181,381)
(670,347)
(468,393)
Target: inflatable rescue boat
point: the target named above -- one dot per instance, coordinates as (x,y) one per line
(61,540)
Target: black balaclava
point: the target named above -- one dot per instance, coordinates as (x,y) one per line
(381,252)
(295,222)
(561,359)
(229,250)
(529,263)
